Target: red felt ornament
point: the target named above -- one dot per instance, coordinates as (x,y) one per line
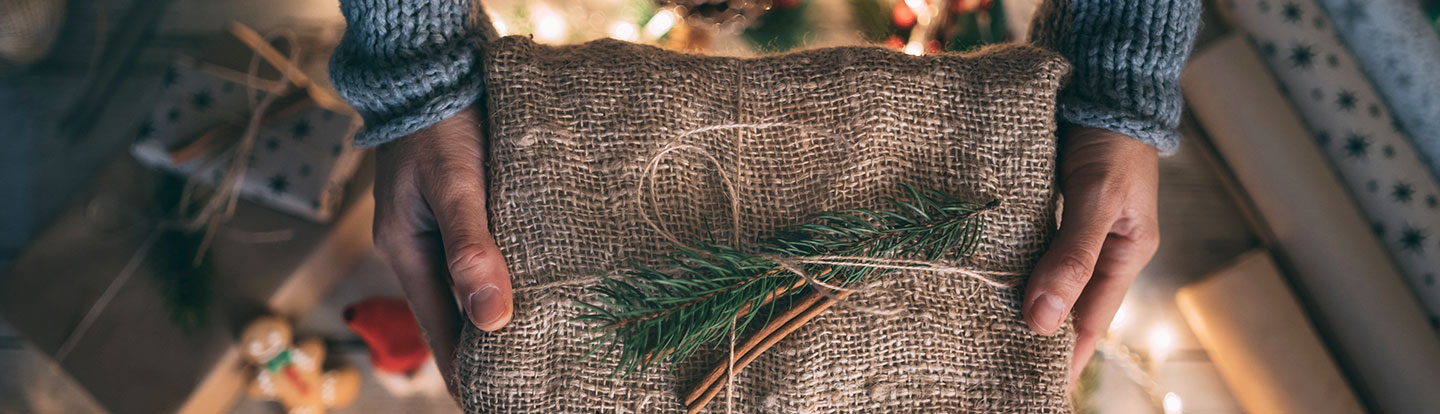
(389,329)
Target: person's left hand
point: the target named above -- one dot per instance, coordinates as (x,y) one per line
(1108,232)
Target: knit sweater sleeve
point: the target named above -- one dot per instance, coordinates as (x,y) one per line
(1127,56)
(407,64)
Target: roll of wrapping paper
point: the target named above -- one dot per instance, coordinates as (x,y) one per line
(1262,342)
(1400,51)
(1352,124)
(1376,330)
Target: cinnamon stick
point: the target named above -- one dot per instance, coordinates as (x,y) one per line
(755,338)
(802,305)
(712,387)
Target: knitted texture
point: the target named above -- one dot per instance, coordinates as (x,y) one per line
(579,148)
(1127,56)
(407,64)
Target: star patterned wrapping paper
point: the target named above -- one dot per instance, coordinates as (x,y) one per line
(300,161)
(1394,44)
(1351,123)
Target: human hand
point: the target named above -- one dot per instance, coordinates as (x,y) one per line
(1108,232)
(431,226)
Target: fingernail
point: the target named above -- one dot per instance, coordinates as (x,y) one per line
(1046,313)
(487,307)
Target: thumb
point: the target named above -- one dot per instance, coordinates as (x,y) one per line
(1090,210)
(477,271)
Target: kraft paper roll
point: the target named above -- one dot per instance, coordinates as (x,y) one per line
(1262,342)
(1361,304)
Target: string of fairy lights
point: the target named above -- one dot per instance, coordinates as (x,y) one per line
(1140,368)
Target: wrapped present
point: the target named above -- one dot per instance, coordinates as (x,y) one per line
(135,294)
(300,156)
(90,291)
(587,137)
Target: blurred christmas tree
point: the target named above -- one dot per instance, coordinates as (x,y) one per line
(1432,11)
(921,26)
(782,28)
(760,26)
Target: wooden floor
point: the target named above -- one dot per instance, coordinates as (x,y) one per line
(1201,224)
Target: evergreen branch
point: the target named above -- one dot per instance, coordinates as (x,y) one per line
(689,304)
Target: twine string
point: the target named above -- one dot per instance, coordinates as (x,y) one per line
(645,188)
(828,290)
(994,278)
(220,206)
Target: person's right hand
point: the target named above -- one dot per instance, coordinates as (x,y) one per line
(431,226)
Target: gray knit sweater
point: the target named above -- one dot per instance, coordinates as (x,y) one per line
(406,64)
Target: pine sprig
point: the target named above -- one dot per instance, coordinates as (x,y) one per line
(689,303)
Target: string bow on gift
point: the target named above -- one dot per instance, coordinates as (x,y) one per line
(292,93)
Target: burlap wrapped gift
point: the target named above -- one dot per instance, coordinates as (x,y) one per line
(574,127)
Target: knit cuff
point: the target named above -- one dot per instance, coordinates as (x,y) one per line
(1161,135)
(407,64)
(1127,57)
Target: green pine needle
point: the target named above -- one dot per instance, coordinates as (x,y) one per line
(688,304)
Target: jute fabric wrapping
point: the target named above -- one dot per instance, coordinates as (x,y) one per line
(574,127)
